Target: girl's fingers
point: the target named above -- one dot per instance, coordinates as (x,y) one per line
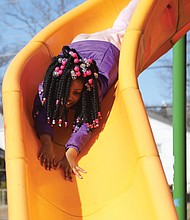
(43,160)
(57,165)
(47,163)
(81,170)
(40,155)
(51,164)
(67,174)
(70,175)
(76,171)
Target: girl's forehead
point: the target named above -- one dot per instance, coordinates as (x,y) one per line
(77,84)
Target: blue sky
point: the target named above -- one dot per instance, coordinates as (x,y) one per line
(151,83)
(156,83)
(153,88)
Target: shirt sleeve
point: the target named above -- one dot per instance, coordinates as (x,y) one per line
(40,119)
(79,139)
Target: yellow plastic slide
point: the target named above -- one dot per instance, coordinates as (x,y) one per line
(125,178)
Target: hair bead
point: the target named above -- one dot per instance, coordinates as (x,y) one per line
(55,74)
(76,60)
(74,55)
(43,101)
(90,81)
(60,60)
(48,120)
(76,69)
(78,74)
(60,72)
(57,69)
(64,62)
(88,72)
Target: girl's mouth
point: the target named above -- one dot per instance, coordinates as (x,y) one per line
(68,104)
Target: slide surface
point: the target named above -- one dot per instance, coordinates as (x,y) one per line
(125,178)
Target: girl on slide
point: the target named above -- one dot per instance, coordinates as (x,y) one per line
(78,79)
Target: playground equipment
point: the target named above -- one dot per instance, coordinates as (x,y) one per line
(125,177)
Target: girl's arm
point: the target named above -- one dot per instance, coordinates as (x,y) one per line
(44,132)
(40,119)
(79,139)
(74,145)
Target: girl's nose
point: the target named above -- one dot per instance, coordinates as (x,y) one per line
(70,99)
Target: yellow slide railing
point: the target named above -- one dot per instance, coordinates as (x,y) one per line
(125,178)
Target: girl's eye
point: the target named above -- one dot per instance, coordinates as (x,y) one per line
(77,93)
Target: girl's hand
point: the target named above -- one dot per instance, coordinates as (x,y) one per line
(71,155)
(63,163)
(69,165)
(46,154)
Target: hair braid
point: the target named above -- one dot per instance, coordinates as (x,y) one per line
(50,100)
(48,76)
(60,93)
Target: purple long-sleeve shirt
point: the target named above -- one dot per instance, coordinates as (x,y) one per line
(106,56)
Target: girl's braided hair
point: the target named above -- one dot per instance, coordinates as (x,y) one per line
(64,68)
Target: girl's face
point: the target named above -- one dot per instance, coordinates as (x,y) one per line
(75,93)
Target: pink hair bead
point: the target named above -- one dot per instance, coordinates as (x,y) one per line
(90,60)
(60,72)
(57,69)
(76,60)
(78,73)
(64,62)
(88,72)
(74,55)
(84,74)
(90,81)
(62,67)
(76,68)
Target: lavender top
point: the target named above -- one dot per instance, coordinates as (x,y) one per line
(106,56)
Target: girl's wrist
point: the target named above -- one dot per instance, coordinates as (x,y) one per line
(45,138)
(67,147)
(72,152)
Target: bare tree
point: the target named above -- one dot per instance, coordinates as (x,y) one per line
(27,17)
(164,68)
(32,15)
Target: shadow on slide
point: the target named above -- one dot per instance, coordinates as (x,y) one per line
(125,178)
